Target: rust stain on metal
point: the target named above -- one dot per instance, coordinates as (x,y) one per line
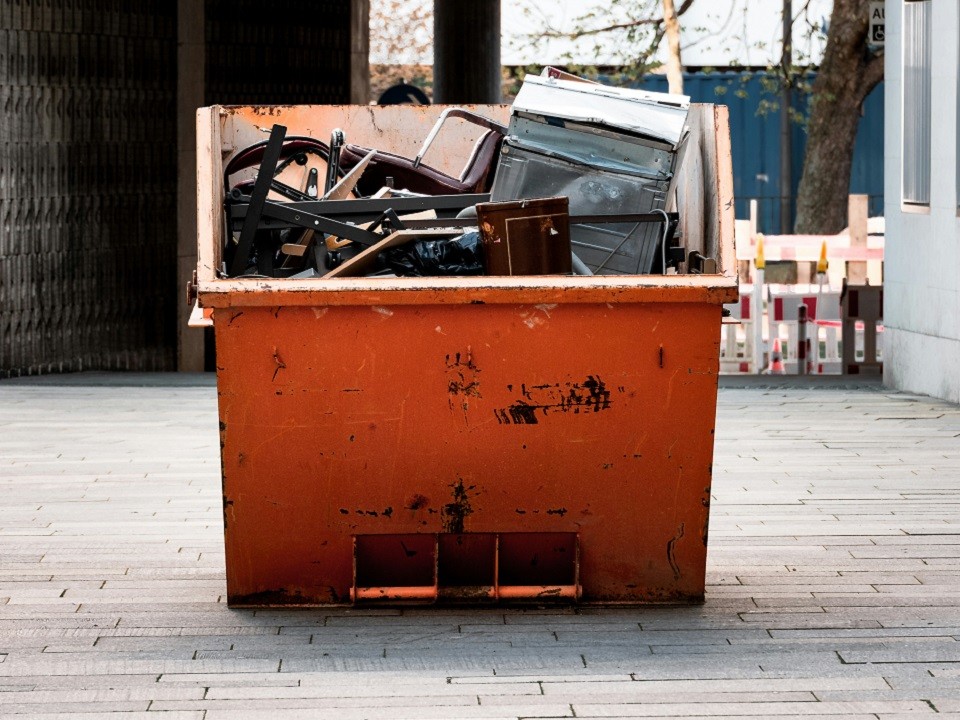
(279,362)
(269,110)
(454,513)
(591,395)
(466,592)
(417,502)
(281,597)
(550,592)
(227,504)
(373,121)
(670,552)
(386,512)
(705,501)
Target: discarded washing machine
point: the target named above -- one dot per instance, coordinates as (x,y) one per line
(610,150)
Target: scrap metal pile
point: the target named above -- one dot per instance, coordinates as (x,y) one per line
(578,182)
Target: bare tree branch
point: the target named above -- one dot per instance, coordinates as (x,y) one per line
(640,22)
(574,34)
(872,75)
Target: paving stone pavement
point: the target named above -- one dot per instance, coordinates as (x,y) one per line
(833,586)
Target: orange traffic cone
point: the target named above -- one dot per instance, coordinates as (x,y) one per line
(776,359)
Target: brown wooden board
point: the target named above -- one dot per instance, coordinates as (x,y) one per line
(363,263)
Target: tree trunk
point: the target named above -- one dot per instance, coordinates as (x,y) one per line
(846,76)
(674,65)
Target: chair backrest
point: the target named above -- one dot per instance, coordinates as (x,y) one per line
(477,175)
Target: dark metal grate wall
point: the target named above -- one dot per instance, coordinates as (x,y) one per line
(278,52)
(88,153)
(87,185)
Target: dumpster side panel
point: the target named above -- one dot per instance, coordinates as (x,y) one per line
(705,187)
(346,420)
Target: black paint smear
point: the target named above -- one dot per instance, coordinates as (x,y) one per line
(591,395)
(518,414)
(671,543)
(462,375)
(454,513)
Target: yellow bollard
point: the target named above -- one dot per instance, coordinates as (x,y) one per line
(823,263)
(757,310)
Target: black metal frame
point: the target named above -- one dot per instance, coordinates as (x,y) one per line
(251,214)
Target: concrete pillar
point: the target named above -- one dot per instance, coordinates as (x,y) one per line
(359,52)
(466,51)
(858,211)
(190,96)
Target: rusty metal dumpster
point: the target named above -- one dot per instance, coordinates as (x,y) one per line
(479,438)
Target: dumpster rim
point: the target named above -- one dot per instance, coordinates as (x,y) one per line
(713,289)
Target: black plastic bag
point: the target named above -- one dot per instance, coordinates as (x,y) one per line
(457,256)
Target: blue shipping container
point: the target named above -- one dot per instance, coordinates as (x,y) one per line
(755,141)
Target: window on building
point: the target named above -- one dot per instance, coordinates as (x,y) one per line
(917,31)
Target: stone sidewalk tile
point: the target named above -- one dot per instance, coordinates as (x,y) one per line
(82,709)
(628,712)
(400,712)
(833,577)
(756,709)
(384,706)
(107,715)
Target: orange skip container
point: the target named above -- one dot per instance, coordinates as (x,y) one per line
(475,439)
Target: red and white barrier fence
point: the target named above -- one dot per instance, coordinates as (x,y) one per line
(823,329)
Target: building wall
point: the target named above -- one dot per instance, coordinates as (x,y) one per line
(92,275)
(277,52)
(87,185)
(252,52)
(921,272)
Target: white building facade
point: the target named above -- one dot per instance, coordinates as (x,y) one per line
(921,341)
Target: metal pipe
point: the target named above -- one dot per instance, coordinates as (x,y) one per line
(786,144)
(803,343)
(579,267)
